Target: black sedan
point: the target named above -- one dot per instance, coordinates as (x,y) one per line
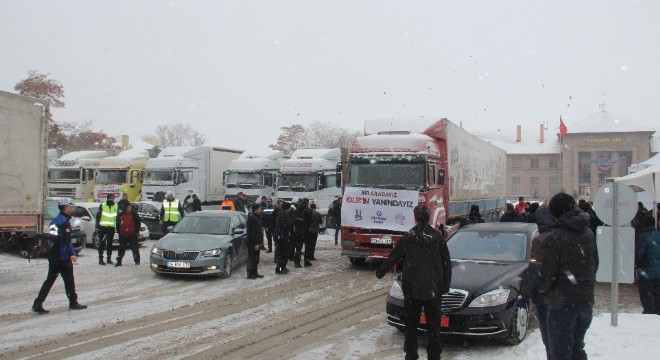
(210,242)
(487,264)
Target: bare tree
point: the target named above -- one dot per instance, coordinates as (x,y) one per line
(328,135)
(291,138)
(177,135)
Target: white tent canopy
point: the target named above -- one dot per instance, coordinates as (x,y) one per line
(650,162)
(644,180)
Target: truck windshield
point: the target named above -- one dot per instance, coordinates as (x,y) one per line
(111,177)
(392,175)
(159,177)
(64,175)
(297,182)
(245,180)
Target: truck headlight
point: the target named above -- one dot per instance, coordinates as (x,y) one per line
(491,298)
(212,253)
(157,251)
(396,291)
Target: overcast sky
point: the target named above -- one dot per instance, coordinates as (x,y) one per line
(239,70)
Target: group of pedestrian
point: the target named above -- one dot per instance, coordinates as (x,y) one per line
(523,211)
(123,219)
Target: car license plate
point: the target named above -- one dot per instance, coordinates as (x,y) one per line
(381,241)
(444,321)
(178,264)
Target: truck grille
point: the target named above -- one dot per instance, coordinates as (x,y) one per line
(59,192)
(453,300)
(186,255)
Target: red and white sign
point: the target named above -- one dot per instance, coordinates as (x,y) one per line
(385,209)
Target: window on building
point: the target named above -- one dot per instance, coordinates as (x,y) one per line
(553,162)
(534,187)
(515,185)
(554,185)
(625,160)
(534,163)
(515,162)
(584,167)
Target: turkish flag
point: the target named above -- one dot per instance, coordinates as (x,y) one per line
(562,127)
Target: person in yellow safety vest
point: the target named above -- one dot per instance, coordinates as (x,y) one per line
(106,218)
(171,213)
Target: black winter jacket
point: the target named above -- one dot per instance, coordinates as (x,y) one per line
(254,232)
(302,220)
(426,263)
(530,278)
(568,269)
(284,225)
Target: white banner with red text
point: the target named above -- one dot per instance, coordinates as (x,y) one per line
(385,209)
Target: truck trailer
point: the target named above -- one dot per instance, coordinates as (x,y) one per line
(253,174)
(436,161)
(23,145)
(311,174)
(119,174)
(183,170)
(72,175)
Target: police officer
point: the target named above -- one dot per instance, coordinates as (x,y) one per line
(255,239)
(302,221)
(61,257)
(284,232)
(314,230)
(106,219)
(426,276)
(171,212)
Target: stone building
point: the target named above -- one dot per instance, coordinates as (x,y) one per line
(541,163)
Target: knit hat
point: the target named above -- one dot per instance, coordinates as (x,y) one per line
(560,204)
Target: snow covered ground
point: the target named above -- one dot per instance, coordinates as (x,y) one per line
(329,311)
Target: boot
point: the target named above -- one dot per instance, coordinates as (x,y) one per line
(308,263)
(77,306)
(118,263)
(109,261)
(101,262)
(297,265)
(39,309)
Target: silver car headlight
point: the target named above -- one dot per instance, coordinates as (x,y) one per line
(157,251)
(396,291)
(492,298)
(212,253)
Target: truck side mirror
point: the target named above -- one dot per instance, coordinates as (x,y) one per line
(338,178)
(441,177)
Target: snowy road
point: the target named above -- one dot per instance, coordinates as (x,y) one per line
(329,311)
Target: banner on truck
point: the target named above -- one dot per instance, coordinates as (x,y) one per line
(102,191)
(379,208)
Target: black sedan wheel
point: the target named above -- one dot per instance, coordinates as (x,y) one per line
(518,326)
(229,264)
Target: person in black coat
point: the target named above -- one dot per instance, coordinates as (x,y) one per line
(302,221)
(314,230)
(568,276)
(196,203)
(510,214)
(475,216)
(530,279)
(283,238)
(426,276)
(255,239)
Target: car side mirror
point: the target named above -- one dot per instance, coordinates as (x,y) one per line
(86,218)
(239,231)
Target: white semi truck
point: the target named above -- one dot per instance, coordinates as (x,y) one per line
(183,169)
(311,174)
(72,175)
(253,174)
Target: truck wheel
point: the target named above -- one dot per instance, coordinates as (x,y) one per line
(357,261)
(518,326)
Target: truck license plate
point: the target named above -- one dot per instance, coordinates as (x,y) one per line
(178,264)
(381,241)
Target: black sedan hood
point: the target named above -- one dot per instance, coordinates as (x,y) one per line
(199,242)
(479,277)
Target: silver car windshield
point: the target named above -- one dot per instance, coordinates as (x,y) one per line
(203,225)
(488,246)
